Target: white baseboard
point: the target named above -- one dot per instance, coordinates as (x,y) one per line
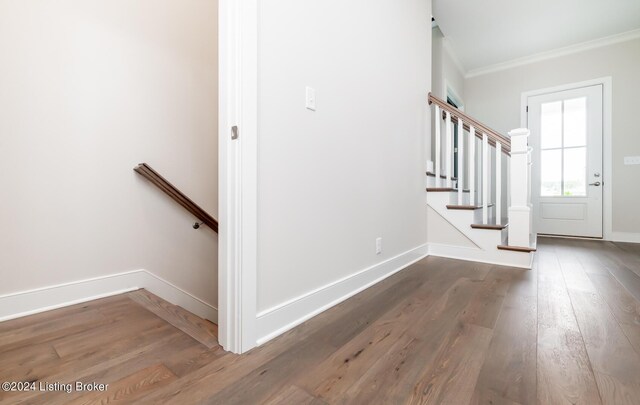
(279,319)
(498,257)
(30,302)
(623,237)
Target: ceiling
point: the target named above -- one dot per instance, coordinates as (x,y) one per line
(487,32)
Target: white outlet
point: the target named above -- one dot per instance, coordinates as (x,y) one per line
(378,246)
(632,160)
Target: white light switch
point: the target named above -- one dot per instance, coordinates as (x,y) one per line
(632,160)
(311,99)
(378,246)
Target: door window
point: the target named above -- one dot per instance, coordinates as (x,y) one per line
(563,148)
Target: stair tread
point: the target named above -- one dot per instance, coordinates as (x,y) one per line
(442,176)
(491,221)
(444,189)
(466,207)
(491,226)
(524,249)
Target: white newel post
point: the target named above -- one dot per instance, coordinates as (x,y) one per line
(519,189)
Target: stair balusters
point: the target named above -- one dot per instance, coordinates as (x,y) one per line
(460,160)
(438,148)
(448,151)
(478,175)
(485,178)
(472,166)
(498,207)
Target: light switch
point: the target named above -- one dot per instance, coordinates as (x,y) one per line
(311,99)
(632,160)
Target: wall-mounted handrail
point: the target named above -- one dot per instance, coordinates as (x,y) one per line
(468,122)
(157,180)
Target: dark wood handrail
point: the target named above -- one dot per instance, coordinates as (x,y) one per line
(468,121)
(157,180)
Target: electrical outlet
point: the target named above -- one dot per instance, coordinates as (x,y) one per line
(632,160)
(378,246)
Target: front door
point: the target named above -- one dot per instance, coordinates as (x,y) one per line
(566,136)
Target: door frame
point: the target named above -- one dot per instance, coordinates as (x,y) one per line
(238,174)
(607,195)
(450,92)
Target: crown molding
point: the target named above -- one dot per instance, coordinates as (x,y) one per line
(567,50)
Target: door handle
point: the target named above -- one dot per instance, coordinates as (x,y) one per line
(597,184)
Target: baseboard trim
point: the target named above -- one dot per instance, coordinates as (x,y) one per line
(500,258)
(623,237)
(281,318)
(16,305)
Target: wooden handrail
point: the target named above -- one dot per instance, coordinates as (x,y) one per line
(467,121)
(157,180)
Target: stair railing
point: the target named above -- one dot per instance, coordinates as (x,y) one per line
(178,196)
(469,165)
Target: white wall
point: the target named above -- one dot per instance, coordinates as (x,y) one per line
(445,70)
(442,232)
(333,180)
(446,77)
(495,100)
(88,89)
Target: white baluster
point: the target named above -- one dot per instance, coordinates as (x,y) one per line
(472,165)
(460,160)
(438,151)
(498,183)
(485,179)
(447,156)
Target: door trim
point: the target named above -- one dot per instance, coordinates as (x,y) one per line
(606,82)
(451,92)
(238,174)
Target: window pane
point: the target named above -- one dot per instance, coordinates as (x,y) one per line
(575,172)
(575,122)
(551,125)
(551,173)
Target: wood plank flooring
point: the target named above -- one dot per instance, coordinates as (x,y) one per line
(440,332)
(200,329)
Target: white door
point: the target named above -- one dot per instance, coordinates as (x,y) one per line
(566,136)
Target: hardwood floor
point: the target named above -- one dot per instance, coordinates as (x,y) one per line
(441,332)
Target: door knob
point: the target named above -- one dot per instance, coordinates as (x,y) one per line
(597,184)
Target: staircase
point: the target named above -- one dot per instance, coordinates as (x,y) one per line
(484,201)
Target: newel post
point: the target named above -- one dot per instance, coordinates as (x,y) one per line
(520,189)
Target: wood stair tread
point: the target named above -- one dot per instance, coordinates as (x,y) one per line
(202,330)
(466,207)
(444,189)
(490,226)
(523,249)
(533,241)
(442,176)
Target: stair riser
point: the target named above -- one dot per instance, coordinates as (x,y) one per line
(431,182)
